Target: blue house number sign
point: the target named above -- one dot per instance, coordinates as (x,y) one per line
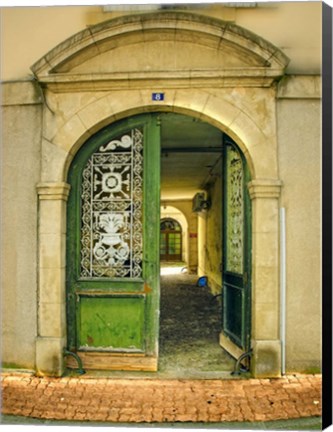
(157,96)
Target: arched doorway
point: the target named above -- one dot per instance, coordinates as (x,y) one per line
(171,246)
(112,243)
(197,156)
(225,100)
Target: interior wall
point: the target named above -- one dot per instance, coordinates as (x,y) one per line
(213,244)
(202,234)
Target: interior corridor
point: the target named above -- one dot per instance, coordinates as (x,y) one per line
(189,328)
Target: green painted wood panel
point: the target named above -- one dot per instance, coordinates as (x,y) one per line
(93,293)
(111,323)
(237,257)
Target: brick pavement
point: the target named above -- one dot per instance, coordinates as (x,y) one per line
(156,400)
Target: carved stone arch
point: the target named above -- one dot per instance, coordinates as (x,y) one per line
(232,120)
(228,46)
(183,221)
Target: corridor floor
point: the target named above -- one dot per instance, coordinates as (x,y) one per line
(189,330)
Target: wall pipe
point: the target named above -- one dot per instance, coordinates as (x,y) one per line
(283,288)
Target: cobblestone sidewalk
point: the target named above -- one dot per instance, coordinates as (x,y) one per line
(152,400)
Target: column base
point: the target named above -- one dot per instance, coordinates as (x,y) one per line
(266,359)
(49,356)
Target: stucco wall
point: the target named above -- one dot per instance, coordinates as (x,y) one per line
(21,116)
(248,114)
(299,161)
(286,25)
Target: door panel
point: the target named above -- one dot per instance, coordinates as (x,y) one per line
(113,243)
(111,323)
(236,249)
(233,301)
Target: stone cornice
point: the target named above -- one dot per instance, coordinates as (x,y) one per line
(53,191)
(299,87)
(24,92)
(250,77)
(264,188)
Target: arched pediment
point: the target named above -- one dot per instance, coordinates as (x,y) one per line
(172,45)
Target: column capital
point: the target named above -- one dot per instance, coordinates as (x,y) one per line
(265,188)
(53,191)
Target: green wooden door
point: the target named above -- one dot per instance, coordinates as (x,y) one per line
(113,247)
(236,291)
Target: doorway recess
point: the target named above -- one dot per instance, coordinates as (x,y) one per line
(190,316)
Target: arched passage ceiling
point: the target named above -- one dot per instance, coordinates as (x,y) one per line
(191,155)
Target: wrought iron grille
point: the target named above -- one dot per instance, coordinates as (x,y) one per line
(235,212)
(111,209)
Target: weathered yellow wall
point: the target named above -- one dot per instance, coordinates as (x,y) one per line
(28,33)
(293,27)
(213,253)
(202,233)
(20,173)
(300,161)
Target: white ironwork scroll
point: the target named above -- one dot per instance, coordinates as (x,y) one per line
(111,228)
(235,212)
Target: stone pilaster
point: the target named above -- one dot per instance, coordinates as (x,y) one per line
(265,194)
(52,263)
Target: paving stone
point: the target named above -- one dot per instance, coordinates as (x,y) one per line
(100,416)
(140,400)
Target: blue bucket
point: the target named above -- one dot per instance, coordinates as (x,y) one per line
(202,281)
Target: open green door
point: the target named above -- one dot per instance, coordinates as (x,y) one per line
(236,291)
(113,247)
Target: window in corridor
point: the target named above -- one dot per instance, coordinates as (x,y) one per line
(171,240)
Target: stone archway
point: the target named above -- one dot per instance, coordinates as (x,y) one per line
(239,101)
